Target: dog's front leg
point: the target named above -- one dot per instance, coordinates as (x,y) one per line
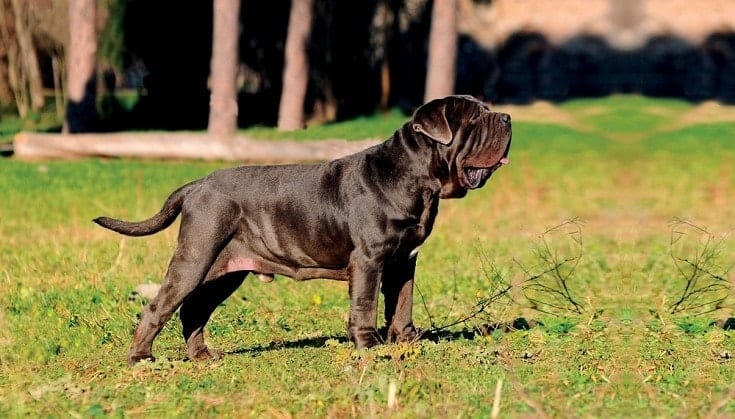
(364,284)
(397,288)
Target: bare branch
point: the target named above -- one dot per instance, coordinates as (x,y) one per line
(548,291)
(705,287)
(497,289)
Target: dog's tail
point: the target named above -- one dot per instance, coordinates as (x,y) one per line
(164,218)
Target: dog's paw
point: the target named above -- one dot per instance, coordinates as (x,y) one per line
(134,359)
(365,338)
(205,354)
(407,334)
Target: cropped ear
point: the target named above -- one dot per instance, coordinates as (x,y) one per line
(430,120)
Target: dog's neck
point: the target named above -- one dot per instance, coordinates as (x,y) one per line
(403,160)
(418,149)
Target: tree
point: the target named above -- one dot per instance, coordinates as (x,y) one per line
(223,69)
(6,92)
(23,72)
(442,58)
(81,111)
(296,67)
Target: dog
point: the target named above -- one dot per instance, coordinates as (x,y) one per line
(360,218)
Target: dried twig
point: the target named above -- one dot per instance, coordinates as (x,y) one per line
(496,400)
(548,291)
(497,289)
(696,254)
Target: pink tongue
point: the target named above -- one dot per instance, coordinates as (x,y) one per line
(504,160)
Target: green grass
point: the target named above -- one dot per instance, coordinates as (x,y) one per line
(11,123)
(627,114)
(66,315)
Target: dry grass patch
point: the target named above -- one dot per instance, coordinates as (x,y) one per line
(706,113)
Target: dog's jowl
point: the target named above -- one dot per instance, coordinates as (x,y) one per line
(359,219)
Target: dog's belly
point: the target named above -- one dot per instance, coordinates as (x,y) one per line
(261,266)
(239,256)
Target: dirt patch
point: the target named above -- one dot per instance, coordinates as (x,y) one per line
(594,110)
(707,112)
(543,112)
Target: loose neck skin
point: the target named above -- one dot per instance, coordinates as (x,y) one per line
(407,150)
(439,160)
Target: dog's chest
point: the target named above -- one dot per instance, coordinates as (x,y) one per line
(412,240)
(417,229)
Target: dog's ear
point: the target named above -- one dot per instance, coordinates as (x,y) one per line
(430,120)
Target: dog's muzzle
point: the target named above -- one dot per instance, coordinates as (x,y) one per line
(474,176)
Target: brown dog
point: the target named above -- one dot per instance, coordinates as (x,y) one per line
(360,219)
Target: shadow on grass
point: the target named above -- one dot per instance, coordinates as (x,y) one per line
(315,342)
(430,335)
(520,323)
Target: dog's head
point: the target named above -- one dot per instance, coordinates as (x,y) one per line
(471,141)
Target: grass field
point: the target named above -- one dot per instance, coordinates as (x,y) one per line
(623,170)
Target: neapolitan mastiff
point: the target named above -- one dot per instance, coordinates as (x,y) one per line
(360,219)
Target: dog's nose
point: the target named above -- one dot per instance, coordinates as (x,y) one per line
(505,118)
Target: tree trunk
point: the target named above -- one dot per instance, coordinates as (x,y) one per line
(442,50)
(223,70)
(6,93)
(180,145)
(81,111)
(296,67)
(12,51)
(57,68)
(22,74)
(28,54)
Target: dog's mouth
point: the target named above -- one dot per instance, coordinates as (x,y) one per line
(475,177)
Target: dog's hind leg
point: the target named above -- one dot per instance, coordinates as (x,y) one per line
(199,306)
(207,224)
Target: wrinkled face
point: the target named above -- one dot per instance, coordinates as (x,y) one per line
(473,141)
(485,148)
